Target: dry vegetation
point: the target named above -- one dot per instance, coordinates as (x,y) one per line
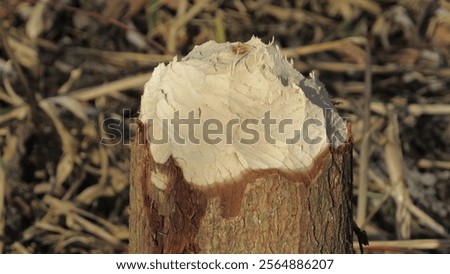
(67,66)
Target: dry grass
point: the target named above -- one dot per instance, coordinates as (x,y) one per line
(68,66)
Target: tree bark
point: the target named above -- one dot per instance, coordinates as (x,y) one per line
(264,212)
(266,194)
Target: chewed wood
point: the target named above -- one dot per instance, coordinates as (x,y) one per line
(240,48)
(243,82)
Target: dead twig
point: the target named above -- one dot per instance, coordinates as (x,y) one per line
(131,82)
(394,162)
(320,47)
(425,244)
(2,205)
(181,21)
(121,58)
(28,94)
(361,210)
(415,211)
(426,163)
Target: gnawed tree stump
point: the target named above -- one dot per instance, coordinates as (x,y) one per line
(239,153)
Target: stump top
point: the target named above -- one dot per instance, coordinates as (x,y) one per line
(226,109)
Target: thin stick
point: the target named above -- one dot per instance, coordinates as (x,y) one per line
(426,163)
(429,109)
(181,21)
(85,94)
(28,94)
(365,144)
(136,81)
(121,57)
(2,206)
(408,244)
(423,218)
(319,47)
(376,69)
(394,162)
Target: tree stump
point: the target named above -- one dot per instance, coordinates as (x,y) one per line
(237,152)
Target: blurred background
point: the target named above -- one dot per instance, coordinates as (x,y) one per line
(68,66)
